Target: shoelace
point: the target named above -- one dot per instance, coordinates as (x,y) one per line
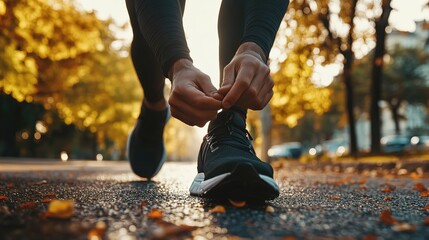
(217,135)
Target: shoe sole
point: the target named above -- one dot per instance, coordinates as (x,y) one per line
(241,184)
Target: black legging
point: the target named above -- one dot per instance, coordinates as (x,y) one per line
(150,52)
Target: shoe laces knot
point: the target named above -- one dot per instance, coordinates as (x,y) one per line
(227,131)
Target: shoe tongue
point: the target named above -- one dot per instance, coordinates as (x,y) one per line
(236,119)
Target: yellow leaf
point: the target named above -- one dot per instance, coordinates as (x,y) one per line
(62,209)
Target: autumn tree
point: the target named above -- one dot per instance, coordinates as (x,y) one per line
(63,58)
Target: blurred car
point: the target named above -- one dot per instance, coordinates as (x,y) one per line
(335,148)
(419,143)
(394,143)
(290,150)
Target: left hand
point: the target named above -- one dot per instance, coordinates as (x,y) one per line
(246,79)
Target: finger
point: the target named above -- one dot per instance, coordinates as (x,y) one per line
(228,80)
(189,114)
(207,87)
(266,90)
(195,97)
(241,84)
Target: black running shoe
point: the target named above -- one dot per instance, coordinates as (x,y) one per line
(228,167)
(145,146)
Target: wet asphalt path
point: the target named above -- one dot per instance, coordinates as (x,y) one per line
(312,205)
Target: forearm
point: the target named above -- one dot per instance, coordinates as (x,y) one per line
(262,22)
(161,24)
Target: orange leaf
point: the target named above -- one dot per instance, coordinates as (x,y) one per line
(3,198)
(238,203)
(387,189)
(27,205)
(166,230)
(415,176)
(288,238)
(404,227)
(387,198)
(155,214)
(424,194)
(387,218)
(419,187)
(363,187)
(370,237)
(218,209)
(362,181)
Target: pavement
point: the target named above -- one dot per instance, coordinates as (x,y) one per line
(111,203)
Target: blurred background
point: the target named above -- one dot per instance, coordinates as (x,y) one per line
(352,80)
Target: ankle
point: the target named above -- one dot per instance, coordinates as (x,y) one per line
(156,106)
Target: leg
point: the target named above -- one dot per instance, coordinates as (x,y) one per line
(145,147)
(227,163)
(230,30)
(146,65)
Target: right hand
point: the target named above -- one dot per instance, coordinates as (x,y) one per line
(193,99)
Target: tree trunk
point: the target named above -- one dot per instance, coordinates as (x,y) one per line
(265,117)
(377,71)
(394,109)
(347,78)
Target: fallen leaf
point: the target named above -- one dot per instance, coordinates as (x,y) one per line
(48,200)
(41,182)
(166,230)
(404,227)
(27,205)
(98,231)
(10,185)
(155,214)
(238,204)
(363,187)
(333,197)
(3,198)
(288,238)
(269,209)
(217,209)
(388,199)
(419,187)
(142,205)
(362,181)
(425,208)
(426,221)
(62,209)
(50,195)
(387,189)
(370,237)
(387,218)
(424,194)
(415,176)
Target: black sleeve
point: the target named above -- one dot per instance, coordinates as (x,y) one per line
(160,22)
(262,22)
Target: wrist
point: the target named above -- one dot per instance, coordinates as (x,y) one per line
(253,49)
(179,65)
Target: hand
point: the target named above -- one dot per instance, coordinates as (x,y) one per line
(246,79)
(193,96)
